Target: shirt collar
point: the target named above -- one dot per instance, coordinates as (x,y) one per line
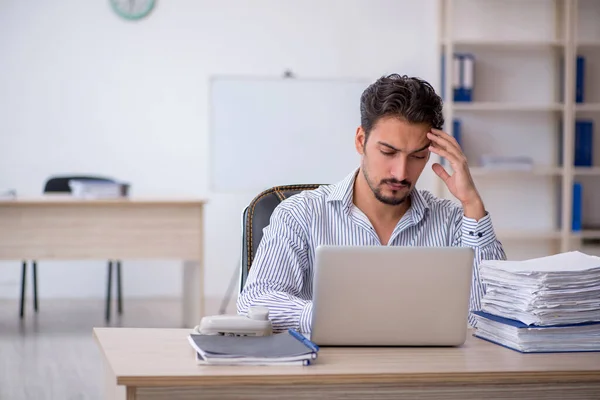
(343,190)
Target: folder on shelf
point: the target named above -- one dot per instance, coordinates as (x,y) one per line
(583,147)
(468,61)
(457,74)
(579,79)
(583,143)
(577,217)
(576,207)
(456,133)
(456,125)
(463,77)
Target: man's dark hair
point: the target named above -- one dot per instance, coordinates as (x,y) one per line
(409,98)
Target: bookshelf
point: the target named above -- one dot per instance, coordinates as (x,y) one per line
(523,103)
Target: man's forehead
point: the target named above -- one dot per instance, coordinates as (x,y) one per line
(406,147)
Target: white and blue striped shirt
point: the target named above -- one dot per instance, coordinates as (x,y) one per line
(282,270)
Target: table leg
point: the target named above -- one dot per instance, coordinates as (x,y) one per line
(193,293)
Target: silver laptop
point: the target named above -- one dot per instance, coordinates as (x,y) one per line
(391,296)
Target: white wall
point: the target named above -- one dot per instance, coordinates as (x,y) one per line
(83,91)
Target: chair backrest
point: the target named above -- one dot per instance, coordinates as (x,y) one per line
(256,217)
(60,184)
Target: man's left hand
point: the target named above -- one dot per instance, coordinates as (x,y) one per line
(460,184)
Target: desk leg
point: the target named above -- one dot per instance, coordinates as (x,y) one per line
(193,293)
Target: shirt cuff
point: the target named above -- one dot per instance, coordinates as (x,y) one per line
(478,233)
(306,318)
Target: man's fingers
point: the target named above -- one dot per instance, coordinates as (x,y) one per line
(444,148)
(452,157)
(446,136)
(440,171)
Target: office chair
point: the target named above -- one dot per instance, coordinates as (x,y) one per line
(60,184)
(256,217)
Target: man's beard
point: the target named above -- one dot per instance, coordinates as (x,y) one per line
(391,201)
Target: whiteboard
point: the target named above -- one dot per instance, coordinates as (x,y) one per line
(268,132)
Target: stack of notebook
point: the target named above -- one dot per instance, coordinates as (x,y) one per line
(545,304)
(287,348)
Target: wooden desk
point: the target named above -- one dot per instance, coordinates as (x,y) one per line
(66,228)
(159,363)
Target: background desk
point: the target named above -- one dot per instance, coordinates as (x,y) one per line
(159,363)
(64,228)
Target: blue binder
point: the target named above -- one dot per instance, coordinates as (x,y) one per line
(576,221)
(457,77)
(579,79)
(584,143)
(456,133)
(521,325)
(464,77)
(468,61)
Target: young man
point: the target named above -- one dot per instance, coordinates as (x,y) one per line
(377,204)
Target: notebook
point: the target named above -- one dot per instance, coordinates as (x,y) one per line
(286,348)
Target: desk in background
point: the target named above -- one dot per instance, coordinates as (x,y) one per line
(66,228)
(160,364)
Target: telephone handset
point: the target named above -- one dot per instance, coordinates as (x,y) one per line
(256,323)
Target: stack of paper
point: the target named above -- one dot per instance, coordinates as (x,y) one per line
(506,162)
(288,348)
(90,189)
(561,292)
(533,339)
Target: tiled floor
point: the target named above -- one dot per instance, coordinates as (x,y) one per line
(52,355)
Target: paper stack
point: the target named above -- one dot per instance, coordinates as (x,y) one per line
(543,304)
(506,162)
(287,348)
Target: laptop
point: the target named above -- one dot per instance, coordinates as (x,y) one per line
(391,295)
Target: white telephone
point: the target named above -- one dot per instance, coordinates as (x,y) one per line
(257,323)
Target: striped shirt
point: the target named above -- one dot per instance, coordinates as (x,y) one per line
(282,270)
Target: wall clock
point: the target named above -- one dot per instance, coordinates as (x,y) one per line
(132,9)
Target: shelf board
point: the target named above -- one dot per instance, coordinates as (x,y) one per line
(540,171)
(586,171)
(499,106)
(588,43)
(587,107)
(508,43)
(586,234)
(515,234)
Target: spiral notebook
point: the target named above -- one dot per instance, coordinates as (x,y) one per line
(287,348)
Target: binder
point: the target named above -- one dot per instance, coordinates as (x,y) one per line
(463,77)
(583,156)
(576,221)
(468,61)
(523,338)
(579,79)
(456,133)
(457,73)
(576,207)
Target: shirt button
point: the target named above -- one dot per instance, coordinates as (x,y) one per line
(480,234)
(471,233)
